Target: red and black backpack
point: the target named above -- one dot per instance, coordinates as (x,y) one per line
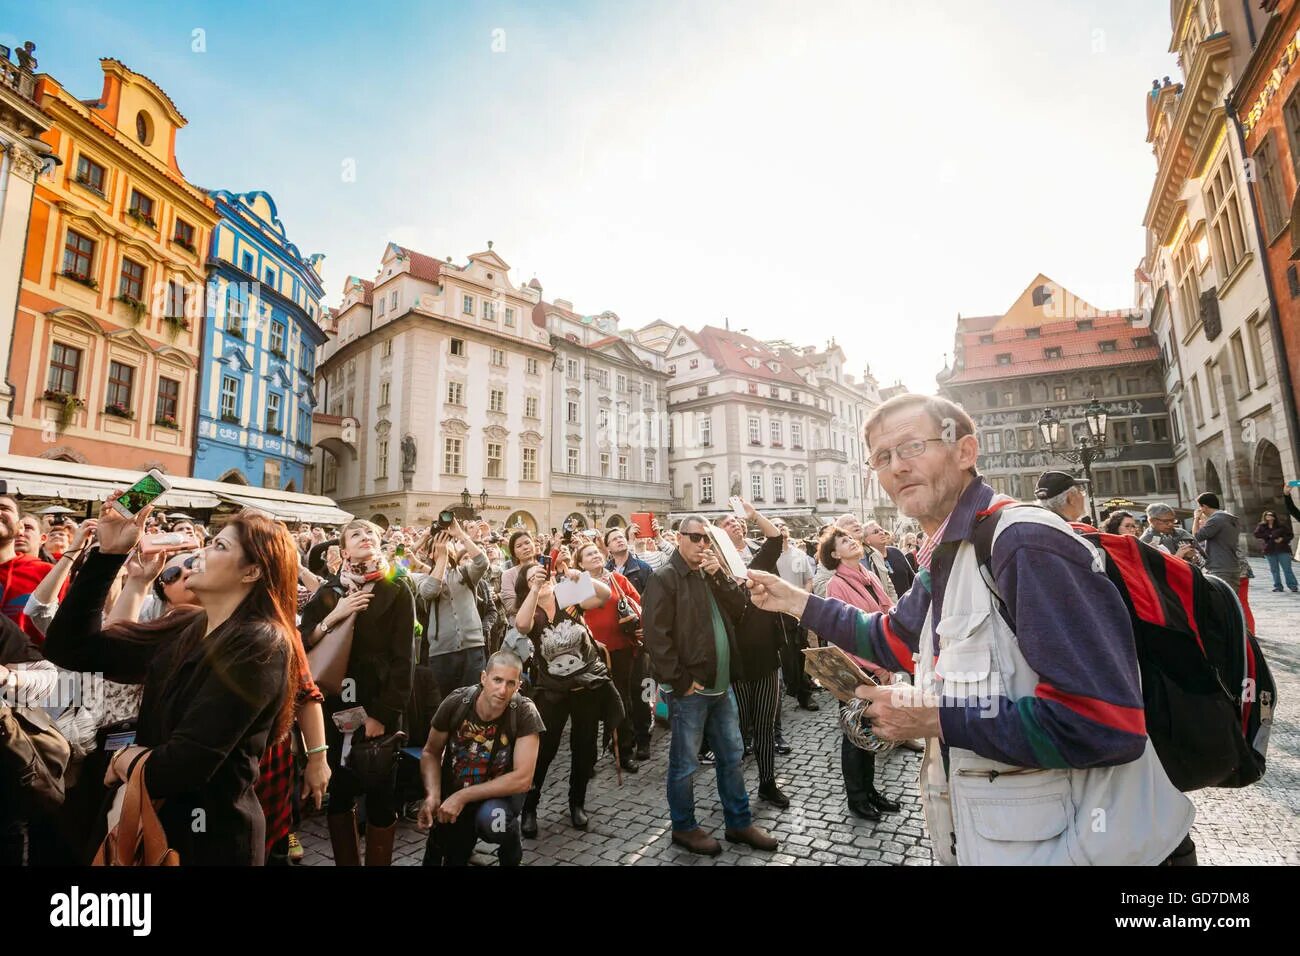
(1207,690)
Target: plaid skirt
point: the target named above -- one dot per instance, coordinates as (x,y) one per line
(275,790)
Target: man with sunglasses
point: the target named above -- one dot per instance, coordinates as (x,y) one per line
(1030,701)
(690,611)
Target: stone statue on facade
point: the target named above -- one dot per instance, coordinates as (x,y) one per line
(408,453)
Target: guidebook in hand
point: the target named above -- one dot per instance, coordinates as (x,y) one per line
(727,553)
(835,670)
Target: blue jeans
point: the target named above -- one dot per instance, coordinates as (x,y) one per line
(458,669)
(691,717)
(1277,563)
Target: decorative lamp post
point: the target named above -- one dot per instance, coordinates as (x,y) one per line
(596,509)
(1092,447)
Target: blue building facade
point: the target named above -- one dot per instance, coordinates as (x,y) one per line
(260,345)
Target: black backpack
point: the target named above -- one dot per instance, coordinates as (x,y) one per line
(1207,691)
(468,698)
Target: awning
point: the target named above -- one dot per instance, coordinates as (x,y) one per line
(93,489)
(289,510)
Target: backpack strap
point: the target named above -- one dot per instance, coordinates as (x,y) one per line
(986,528)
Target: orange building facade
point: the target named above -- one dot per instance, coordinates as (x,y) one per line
(107,342)
(1267,107)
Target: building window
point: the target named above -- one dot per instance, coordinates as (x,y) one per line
(1052,353)
(510,317)
(183,234)
(1060,393)
(798,489)
(530,366)
(381,464)
(1004,358)
(573,461)
(622,468)
(992,442)
(571,367)
(1189,290)
(499,358)
(529,464)
(1224,211)
(1120,433)
(706,432)
(329,472)
(383,392)
(176,300)
(794,396)
(234,312)
(530,406)
(1239,365)
(1210,390)
(648,391)
(706,489)
(497,400)
(489,310)
(602,418)
(386,349)
(494,460)
(467,304)
(1159,429)
(131,282)
(823,489)
(755,432)
(273,413)
(451,464)
(379,309)
(78,255)
(778,487)
(796,434)
(755,486)
(271,473)
(649,465)
(120,379)
(602,377)
(65,369)
(695,363)
(392,302)
(622,382)
(1026,439)
(246,262)
(621,428)
(90,173)
(604,464)
(277,338)
(229,399)
(1107,346)
(1008,398)
(702,391)
(1257,345)
(1269,177)
(1196,400)
(458,347)
(141,206)
(571,415)
(169,396)
(455,393)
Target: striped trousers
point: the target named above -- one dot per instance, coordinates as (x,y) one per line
(758,701)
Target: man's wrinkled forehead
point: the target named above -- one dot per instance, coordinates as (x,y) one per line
(901,426)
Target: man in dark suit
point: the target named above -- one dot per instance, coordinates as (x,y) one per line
(884,556)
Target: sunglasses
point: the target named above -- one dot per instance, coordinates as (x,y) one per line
(696,537)
(172,575)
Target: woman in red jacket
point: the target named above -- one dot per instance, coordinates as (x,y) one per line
(627,662)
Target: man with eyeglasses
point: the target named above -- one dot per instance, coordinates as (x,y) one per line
(1032,704)
(689,614)
(1165,533)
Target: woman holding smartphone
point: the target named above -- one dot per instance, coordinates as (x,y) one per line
(216,679)
(573,683)
(381,608)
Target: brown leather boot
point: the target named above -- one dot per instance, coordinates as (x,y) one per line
(379,845)
(343,838)
(758,838)
(697,841)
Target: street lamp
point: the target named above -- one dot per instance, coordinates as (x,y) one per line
(466,499)
(596,509)
(1092,447)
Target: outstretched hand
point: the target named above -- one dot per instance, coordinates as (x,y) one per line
(118,534)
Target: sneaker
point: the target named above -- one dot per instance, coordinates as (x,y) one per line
(1277,590)
(783,748)
(295,849)
(707,758)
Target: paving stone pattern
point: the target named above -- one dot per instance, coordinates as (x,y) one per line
(629,824)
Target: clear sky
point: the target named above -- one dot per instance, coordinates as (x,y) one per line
(863,169)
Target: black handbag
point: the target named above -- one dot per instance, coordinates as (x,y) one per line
(629,615)
(374,761)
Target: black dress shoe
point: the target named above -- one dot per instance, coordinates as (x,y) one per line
(643,752)
(807,703)
(883,803)
(783,748)
(772,794)
(749,750)
(863,809)
(528,823)
(629,764)
(578,815)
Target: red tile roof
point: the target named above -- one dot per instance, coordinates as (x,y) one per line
(728,350)
(1079,349)
(422,266)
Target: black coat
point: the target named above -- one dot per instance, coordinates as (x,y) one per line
(206,712)
(901,573)
(762,633)
(383,643)
(678,624)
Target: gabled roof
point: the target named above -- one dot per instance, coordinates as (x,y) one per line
(367,289)
(420,266)
(729,350)
(1079,349)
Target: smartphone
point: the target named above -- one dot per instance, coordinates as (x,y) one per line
(144,492)
(120,740)
(737,508)
(168,541)
(545,561)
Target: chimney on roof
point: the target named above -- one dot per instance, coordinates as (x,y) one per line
(726,323)
(489,245)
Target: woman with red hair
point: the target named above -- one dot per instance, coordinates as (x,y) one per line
(216,678)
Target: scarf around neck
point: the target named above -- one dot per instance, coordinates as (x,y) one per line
(357,574)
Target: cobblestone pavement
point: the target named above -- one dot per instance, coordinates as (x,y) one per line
(629,824)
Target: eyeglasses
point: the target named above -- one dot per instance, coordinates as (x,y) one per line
(696,537)
(172,575)
(908,449)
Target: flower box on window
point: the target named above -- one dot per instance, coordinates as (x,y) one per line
(183,243)
(84,181)
(68,405)
(167,421)
(176,324)
(118,410)
(81,277)
(230,419)
(142,217)
(137,307)
(278,353)
(235,330)
(272,430)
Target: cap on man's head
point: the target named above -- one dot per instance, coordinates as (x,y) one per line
(1053,483)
